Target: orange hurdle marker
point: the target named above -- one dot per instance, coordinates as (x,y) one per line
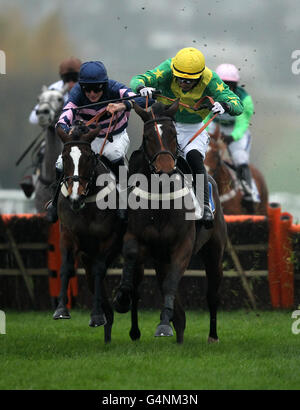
(54,260)
(274,213)
(286,264)
(54,265)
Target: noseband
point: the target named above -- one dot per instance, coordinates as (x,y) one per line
(163,150)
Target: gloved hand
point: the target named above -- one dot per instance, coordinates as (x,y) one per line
(64,127)
(220,107)
(228,139)
(144,91)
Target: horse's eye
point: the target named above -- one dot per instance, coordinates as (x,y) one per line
(60,99)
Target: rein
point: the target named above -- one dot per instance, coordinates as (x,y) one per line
(163,150)
(197,107)
(96,119)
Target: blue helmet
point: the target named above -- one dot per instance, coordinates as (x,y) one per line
(92,72)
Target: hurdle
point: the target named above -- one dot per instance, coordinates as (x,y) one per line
(259,247)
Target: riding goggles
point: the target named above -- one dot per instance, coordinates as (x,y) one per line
(92,87)
(70,77)
(186,81)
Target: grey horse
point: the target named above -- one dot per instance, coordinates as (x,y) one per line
(50,104)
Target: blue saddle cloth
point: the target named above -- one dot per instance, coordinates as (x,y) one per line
(211,199)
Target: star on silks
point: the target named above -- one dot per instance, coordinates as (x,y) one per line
(233,100)
(158,73)
(220,87)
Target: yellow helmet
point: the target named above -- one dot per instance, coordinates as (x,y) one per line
(188,63)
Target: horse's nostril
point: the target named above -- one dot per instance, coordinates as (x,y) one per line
(78,204)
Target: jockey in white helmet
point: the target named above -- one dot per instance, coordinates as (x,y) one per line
(235,130)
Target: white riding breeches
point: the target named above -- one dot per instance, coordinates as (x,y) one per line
(112,150)
(240,150)
(185,132)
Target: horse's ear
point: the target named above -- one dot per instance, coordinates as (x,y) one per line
(62,134)
(141,112)
(44,88)
(171,111)
(91,135)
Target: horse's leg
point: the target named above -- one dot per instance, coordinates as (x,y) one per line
(180,258)
(123,298)
(135,333)
(212,254)
(178,316)
(109,314)
(179,319)
(97,315)
(67,270)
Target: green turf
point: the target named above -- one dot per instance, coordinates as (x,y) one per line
(256,351)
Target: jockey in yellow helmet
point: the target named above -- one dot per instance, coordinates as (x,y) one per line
(186,77)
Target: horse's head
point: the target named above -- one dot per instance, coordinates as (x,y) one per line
(160,137)
(50,104)
(79,162)
(214,152)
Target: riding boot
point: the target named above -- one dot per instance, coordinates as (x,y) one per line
(27,185)
(51,206)
(244,175)
(195,160)
(122,213)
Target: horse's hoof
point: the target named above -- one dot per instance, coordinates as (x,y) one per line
(135,334)
(122,302)
(163,330)
(97,320)
(61,313)
(211,340)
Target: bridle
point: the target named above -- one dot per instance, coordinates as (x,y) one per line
(78,178)
(163,150)
(52,111)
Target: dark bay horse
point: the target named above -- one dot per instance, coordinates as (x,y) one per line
(230,190)
(165,233)
(91,235)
